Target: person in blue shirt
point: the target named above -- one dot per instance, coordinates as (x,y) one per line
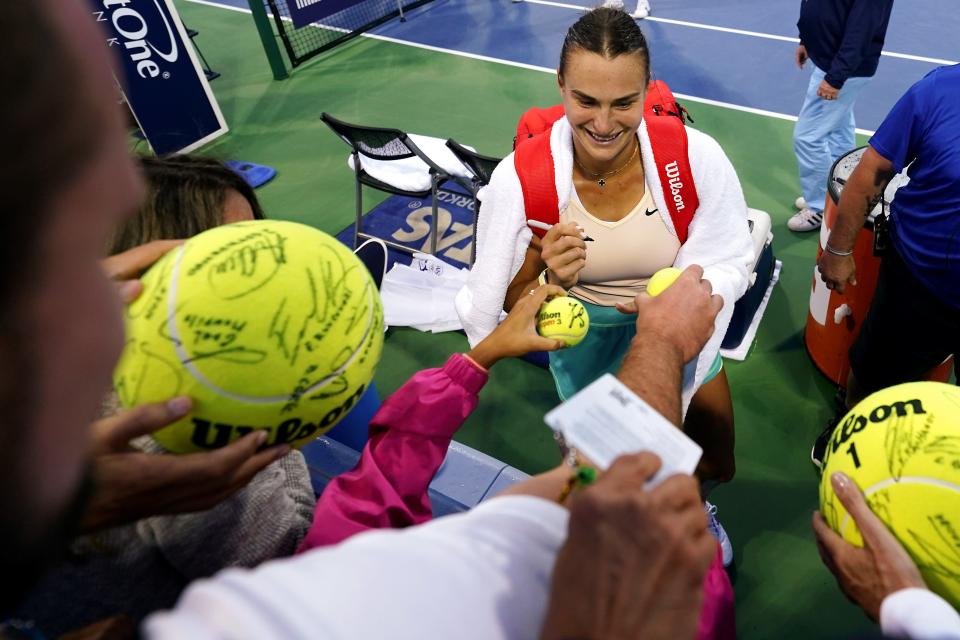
(843,39)
(913,323)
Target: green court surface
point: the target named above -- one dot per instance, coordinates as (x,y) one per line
(781,401)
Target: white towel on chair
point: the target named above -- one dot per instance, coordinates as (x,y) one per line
(413,174)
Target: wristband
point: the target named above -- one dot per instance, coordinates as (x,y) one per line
(480,367)
(832,251)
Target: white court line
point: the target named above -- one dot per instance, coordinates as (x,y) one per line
(682,23)
(531,67)
(742,32)
(218,5)
(510,63)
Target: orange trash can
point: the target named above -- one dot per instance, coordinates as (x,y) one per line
(833,319)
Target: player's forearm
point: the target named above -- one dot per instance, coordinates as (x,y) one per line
(653,369)
(518,288)
(526,279)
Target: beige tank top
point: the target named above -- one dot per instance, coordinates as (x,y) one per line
(624,254)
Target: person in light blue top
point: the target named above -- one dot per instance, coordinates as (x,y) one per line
(843,40)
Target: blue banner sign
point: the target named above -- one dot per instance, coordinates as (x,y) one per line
(161,77)
(304,12)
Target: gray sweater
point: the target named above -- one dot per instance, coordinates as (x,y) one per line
(142,567)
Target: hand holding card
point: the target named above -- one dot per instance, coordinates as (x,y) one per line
(606,420)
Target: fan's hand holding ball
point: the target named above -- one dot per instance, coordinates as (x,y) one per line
(868,574)
(656,285)
(266,325)
(563,318)
(517,334)
(901,447)
(662,279)
(684,317)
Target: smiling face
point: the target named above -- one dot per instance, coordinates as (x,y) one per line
(603,101)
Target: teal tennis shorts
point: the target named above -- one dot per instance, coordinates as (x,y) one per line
(600,352)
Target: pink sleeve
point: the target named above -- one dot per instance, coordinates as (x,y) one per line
(717,613)
(408,441)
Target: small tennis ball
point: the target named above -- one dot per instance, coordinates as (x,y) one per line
(662,279)
(266,324)
(563,318)
(901,446)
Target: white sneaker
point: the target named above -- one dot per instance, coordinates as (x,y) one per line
(613,4)
(717,531)
(643,10)
(806,219)
(799,203)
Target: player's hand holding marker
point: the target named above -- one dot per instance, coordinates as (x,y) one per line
(564,251)
(682,312)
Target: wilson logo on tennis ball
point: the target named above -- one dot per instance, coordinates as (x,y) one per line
(544,318)
(134,28)
(855,423)
(213,435)
(900,446)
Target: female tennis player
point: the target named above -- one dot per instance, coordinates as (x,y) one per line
(609,189)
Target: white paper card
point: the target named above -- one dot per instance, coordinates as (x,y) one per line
(606,420)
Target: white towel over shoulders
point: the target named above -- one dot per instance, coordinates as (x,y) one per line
(718,236)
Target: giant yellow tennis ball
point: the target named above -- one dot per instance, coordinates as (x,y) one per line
(902,447)
(563,318)
(662,279)
(265,324)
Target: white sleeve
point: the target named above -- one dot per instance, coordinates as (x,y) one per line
(918,614)
(502,241)
(480,574)
(718,237)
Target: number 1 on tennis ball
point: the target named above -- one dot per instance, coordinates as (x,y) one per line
(662,279)
(563,318)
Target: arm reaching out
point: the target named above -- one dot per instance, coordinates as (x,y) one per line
(411,432)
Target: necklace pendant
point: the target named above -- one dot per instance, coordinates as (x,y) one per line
(601,182)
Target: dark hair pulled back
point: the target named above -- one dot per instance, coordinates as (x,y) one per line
(606,32)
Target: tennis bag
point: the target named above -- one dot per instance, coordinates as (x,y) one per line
(665,119)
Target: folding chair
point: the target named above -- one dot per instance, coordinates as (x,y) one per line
(386,147)
(481,167)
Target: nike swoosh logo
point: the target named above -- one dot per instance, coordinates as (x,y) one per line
(650,212)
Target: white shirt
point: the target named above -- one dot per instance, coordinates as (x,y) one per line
(918,614)
(480,574)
